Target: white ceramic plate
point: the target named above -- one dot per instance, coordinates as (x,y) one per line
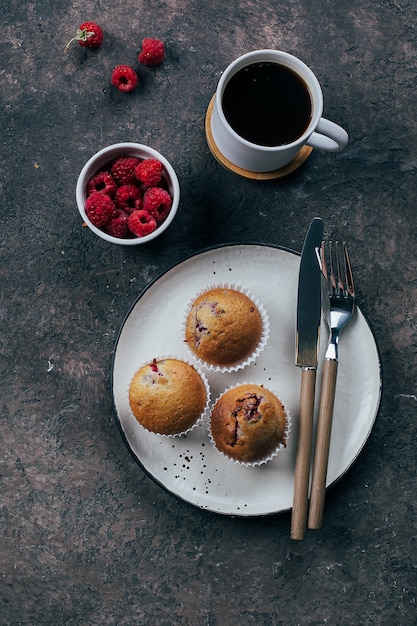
(189,467)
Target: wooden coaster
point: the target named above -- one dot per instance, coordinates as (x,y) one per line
(298,160)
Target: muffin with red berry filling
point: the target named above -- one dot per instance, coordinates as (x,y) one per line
(168,396)
(225,328)
(249,424)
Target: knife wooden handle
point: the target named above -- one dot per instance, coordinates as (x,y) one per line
(321,456)
(303,457)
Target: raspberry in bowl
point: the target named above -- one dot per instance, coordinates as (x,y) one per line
(127,193)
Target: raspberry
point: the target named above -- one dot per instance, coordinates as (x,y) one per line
(157,202)
(123,169)
(149,172)
(89,35)
(103,181)
(117,227)
(100,208)
(128,197)
(124,78)
(152,53)
(141,223)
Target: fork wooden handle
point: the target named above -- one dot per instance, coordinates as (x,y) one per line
(321,455)
(303,458)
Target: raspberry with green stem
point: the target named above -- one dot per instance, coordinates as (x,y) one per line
(89,35)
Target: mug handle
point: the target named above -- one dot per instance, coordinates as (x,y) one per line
(328,136)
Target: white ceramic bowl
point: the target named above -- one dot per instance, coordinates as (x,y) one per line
(104,157)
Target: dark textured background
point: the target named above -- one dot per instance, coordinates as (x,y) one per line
(86,537)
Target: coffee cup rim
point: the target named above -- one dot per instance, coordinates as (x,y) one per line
(278,56)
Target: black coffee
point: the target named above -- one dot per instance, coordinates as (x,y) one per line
(267,104)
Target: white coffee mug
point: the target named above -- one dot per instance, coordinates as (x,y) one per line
(320,133)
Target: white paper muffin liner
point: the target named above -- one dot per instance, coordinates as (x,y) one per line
(272,454)
(203,415)
(262,341)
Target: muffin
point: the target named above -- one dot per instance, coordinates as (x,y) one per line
(249,424)
(168,396)
(224,327)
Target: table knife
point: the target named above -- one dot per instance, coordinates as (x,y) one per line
(307,344)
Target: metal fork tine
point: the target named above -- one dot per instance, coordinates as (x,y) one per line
(323,262)
(341,271)
(334,266)
(350,288)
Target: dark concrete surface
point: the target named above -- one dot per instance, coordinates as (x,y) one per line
(86,536)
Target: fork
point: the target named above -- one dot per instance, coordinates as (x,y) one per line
(341,299)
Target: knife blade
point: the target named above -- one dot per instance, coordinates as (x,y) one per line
(307,345)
